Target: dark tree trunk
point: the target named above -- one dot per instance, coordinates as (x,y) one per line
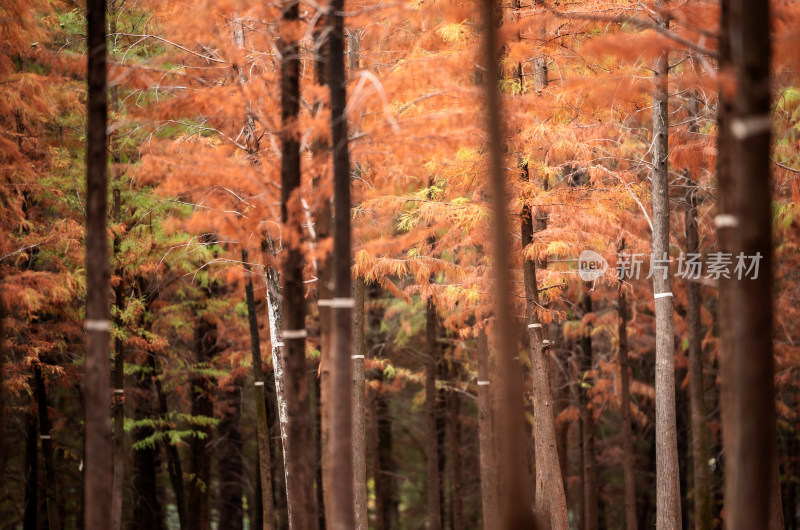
(98,468)
(229,454)
(488,468)
(118,400)
(302,502)
(341,435)
(174,467)
(431,429)
(590,512)
(53,515)
(267,512)
(699,428)
(147,514)
(454,431)
(628,454)
(744,225)
(30,519)
(316,387)
(205,346)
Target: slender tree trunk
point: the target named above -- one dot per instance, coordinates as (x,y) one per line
(590,511)
(667,475)
(98,467)
(359,411)
(341,435)
(516,512)
(488,467)
(299,468)
(229,455)
(262,427)
(118,400)
(30,519)
(431,437)
(205,340)
(702,489)
(53,516)
(628,456)
(454,431)
(744,228)
(174,467)
(551,502)
(147,511)
(275,318)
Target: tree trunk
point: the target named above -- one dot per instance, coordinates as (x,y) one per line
(702,488)
(98,467)
(590,513)
(516,512)
(431,431)
(751,495)
(205,344)
(147,512)
(360,495)
(30,519)
(299,468)
(667,480)
(118,400)
(628,454)
(53,516)
(454,431)
(229,455)
(341,435)
(275,318)
(551,502)
(174,467)
(262,427)
(488,468)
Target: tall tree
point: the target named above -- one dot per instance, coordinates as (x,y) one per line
(360,493)
(628,455)
(341,435)
(516,513)
(488,467)
(745,231)
(262,427)
(589,458)
(668,498)
(699,426)
(98,469)
(431,431)
(299,468)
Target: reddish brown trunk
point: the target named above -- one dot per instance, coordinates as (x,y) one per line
(628,455)
(431,436)
(488,466)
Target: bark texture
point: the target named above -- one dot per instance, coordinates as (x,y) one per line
(745,228)
(299,468)
(360,494)
(668,497)
(98,467)
(625,406)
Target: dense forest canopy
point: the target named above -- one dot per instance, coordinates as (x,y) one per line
(399,265)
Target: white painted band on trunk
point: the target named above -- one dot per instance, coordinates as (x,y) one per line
(294,334)
(515,358)
(45,437)
(356,356)
(119,391)
(258,383)
(743,128)
(324,302)
(726,221)
(342,303)
(531,326)
(483,383)
(97,325)
(278,344)
(546,342)
(662,295)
